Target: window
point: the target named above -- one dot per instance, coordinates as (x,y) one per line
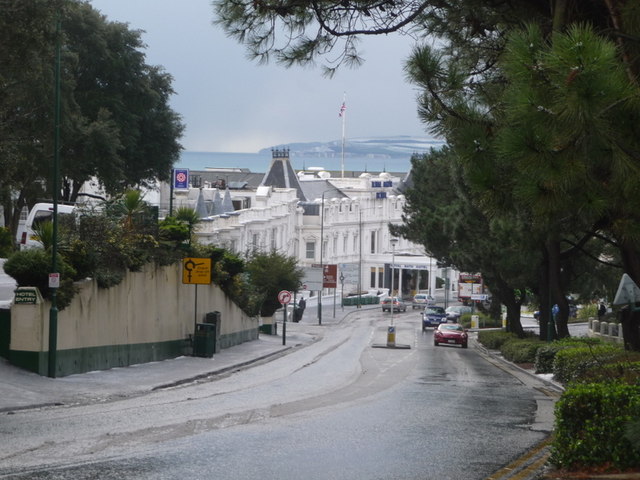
(372,281)
(373,241)
(311,251)
(380,277)
(344,243)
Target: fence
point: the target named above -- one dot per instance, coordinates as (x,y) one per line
(609,331)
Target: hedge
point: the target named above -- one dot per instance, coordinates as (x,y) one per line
(572,364)
(546,354)
(592,421)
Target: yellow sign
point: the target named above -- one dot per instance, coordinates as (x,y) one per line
(196,271)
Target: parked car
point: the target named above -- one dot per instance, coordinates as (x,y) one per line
(433,316)
(397,302)
(450,334)
(454,312)
(421,300)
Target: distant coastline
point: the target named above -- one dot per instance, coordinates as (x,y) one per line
(259,162)
(391,154)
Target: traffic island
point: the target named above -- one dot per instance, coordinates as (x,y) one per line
(391,340)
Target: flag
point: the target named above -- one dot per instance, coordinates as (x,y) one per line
(343,107)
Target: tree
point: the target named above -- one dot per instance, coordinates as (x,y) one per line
(117,126)
(454,230)
(269,273)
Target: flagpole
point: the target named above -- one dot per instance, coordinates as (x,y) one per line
(344,115)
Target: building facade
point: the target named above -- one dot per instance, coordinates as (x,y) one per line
(314,217)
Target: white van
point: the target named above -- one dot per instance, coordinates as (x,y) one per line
(41,212)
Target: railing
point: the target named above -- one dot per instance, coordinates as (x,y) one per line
(608,331)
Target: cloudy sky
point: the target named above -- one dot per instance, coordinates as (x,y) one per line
(231,104)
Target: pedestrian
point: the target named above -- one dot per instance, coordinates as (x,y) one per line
(302,304)
(602,310)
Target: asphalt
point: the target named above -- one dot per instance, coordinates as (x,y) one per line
(22,390)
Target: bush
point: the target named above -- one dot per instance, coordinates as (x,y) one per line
(627,372)
(6,242)
(484,320)
(494,339)
(31,268)
(547,353)
(521,350)
(591,422)
(572,364)
(588,311)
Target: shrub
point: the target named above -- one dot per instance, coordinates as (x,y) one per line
(521,350)
(588,311)
(591,421)
(484,320)
(572,364)
(31,268)
(6,242)
(494,339)
(627,371)
(547,353)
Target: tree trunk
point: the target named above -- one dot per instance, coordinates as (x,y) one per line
(630,320)
(544,314)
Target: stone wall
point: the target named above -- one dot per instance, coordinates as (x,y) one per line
(609,331)
(150,316)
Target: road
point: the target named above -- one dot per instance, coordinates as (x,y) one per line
(337,409)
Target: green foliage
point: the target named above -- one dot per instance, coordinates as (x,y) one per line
(546,354)
(572,364)
(268,274)
(588,311)
(6,242)
(493,339)
(591,422)
(484,320)
(518,350)
(625,371)
(31,268)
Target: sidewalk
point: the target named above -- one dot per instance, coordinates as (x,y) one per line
(23,390)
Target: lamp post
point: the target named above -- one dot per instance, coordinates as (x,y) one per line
(53,311)
(391,331)
(321,259)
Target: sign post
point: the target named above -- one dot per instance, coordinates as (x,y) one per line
(284,297)
(196,271)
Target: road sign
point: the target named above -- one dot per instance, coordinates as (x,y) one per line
(628,292)
(284,297)
(196,271)
(479,297)
(350,272)
(329,279)
(54,280)
(181,178)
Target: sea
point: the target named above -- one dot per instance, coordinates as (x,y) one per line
(260,162)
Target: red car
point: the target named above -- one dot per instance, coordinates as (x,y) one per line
(451,334)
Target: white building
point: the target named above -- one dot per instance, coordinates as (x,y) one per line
(290,212)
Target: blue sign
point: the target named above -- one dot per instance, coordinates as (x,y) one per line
(181,178)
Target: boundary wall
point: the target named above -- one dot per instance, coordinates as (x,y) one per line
(609,331)
(149,316)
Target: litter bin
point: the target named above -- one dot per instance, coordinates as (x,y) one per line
(215,318)
(204,340)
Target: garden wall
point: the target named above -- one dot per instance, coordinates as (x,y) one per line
(608,331)
(149,316)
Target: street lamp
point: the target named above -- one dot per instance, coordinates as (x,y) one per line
(321,257)
(391,331)
(321,260)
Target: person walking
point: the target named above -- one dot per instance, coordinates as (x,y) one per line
(602,310)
